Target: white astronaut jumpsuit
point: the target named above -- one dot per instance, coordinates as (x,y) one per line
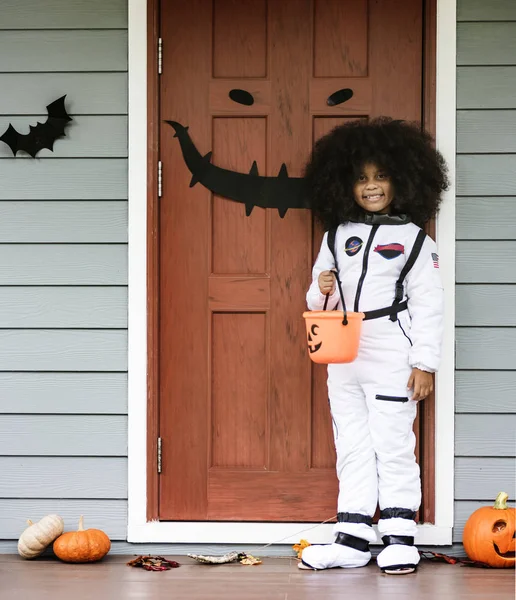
(371,407)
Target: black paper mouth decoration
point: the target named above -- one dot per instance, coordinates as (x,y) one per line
(42,135)
(281,192)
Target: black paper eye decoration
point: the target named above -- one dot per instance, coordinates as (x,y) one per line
(42,135)
(281,192)
(311,335)
(242,97)
(339,97)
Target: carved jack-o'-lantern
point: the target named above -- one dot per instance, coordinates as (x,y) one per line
(311,335)
(489,534)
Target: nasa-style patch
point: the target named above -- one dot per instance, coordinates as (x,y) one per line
(353,246)
(390,251)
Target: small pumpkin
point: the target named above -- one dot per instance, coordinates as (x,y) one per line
(83,545)
(38,536)
(489,534)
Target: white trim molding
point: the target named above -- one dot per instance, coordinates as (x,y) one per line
(259,533)
(139,530)
(137,264)
(446,107)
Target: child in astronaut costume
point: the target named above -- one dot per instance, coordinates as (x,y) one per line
(387,182)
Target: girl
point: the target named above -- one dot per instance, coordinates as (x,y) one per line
(373,185)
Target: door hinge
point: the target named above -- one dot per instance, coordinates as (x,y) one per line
(160,56)
(160,178)
(160,454)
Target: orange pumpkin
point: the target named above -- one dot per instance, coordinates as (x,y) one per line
(489,534)
(82,546)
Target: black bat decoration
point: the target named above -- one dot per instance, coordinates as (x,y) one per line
(281,192)
(43,135)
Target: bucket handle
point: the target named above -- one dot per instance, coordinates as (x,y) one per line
(339,285)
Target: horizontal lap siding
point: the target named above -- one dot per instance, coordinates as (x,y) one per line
(63,268)
(486,174)
(485,218)
(86,93)
(486,261)
(481,87)
(63,349)
(59,392)
(108,515)
(485,420)
(50,221)
(486,131)
(65,50)
(492,435)
(486,43)
(63,179)
(476,390)
(64,14)
(475,305)
(482,478)
(63,264)
(63,477)
(69,435)
(486,10)
(463,509)
(61,307)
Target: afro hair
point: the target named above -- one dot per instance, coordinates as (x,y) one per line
(417,170)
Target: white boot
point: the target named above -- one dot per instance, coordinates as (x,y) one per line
(397,528)
(350,549)
(332,555)
(398,559)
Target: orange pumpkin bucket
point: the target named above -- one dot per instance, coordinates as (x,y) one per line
(333,336)
(329,340)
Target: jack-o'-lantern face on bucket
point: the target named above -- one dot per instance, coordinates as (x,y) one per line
(313,334)
(490,536)
(332,336)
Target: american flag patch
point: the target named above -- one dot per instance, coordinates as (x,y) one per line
(435,259)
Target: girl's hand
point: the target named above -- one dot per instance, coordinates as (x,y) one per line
(422,383)
(326,282)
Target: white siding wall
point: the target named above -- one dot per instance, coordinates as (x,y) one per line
(63,268)
(485,421)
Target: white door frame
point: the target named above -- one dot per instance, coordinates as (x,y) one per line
(139,530)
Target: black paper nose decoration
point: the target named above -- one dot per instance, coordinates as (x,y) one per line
(241,97)
(339,97)
(42,135)
(281,192)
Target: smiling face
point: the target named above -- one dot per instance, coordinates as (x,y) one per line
(373,189)
(489,534)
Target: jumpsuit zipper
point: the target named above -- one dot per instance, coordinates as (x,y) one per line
(365,265)
(392,398)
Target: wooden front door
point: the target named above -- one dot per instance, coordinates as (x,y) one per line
(243,413)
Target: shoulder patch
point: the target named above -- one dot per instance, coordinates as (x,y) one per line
(390,251)
(435,259)
(353,245)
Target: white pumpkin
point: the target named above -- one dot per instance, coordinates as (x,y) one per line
(38,536)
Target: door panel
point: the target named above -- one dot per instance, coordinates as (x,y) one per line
(243,413)
(231,229)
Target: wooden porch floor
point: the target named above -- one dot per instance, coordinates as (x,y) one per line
(275,579)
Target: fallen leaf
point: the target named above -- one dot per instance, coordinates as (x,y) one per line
(298,548)
(153,563)
(249,559)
